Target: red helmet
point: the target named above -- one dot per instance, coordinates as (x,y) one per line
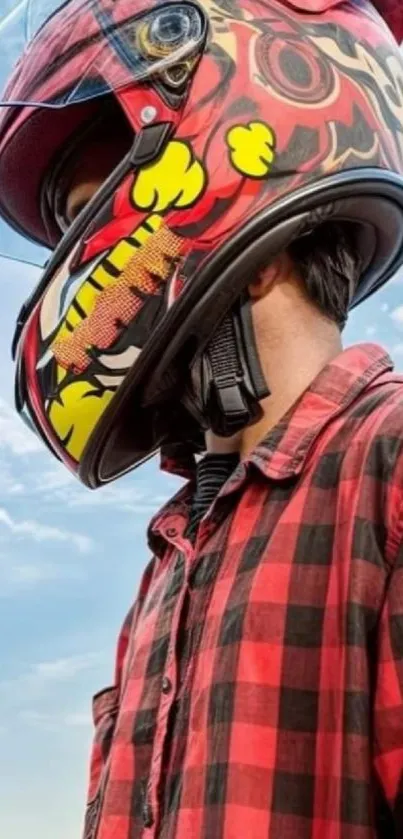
(251,123)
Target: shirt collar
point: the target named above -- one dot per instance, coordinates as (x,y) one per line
(284,451)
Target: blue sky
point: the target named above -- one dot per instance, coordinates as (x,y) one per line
(70,562)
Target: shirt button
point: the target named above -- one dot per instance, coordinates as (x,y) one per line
(148,819)
(147,813)
(172,532)
(166,685)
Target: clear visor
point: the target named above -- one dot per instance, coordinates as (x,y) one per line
(15,248)
(55,54)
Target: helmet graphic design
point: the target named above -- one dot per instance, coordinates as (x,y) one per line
(252,122)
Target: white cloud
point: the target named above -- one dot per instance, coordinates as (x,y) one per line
(397,316)
(397,279)
(57,486)
(28,574)
(55,478)
(10,484)
(370,330)
(42,533)
(64,669)
(77,719)
(16,488)
(127,498)
(14,435)
(385,307)
(55,722)
(44,676)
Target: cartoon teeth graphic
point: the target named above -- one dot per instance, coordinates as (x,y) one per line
(115,292)
(93,338)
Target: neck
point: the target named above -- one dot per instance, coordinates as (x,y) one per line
(289,368)
(291,359)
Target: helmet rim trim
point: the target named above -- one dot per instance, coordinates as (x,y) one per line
(286,218)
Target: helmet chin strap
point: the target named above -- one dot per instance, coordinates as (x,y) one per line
(228,383)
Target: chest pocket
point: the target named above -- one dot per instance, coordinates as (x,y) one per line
(105,707)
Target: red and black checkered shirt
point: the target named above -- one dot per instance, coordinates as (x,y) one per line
(259,679)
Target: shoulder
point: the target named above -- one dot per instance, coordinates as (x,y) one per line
(373,431)
(376,448)
(377,414)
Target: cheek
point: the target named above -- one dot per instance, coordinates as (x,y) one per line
(80,194)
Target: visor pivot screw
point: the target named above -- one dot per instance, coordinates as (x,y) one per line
(148,114)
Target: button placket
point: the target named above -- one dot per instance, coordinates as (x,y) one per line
(168,692)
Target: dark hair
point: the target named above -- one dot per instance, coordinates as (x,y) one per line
(330,264)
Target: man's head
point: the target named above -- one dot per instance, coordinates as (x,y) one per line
(302,298)
(247,126)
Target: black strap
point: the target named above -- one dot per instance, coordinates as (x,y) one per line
(247,342)
(230,406)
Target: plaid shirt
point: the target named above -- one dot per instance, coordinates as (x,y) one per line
(259,679)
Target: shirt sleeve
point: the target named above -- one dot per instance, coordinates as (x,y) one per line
(388,708)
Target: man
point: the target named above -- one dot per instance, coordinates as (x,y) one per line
(214,219)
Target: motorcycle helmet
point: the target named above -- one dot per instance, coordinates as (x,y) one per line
(248,124)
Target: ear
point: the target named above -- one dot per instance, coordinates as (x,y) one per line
(392,13)
(279,269)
